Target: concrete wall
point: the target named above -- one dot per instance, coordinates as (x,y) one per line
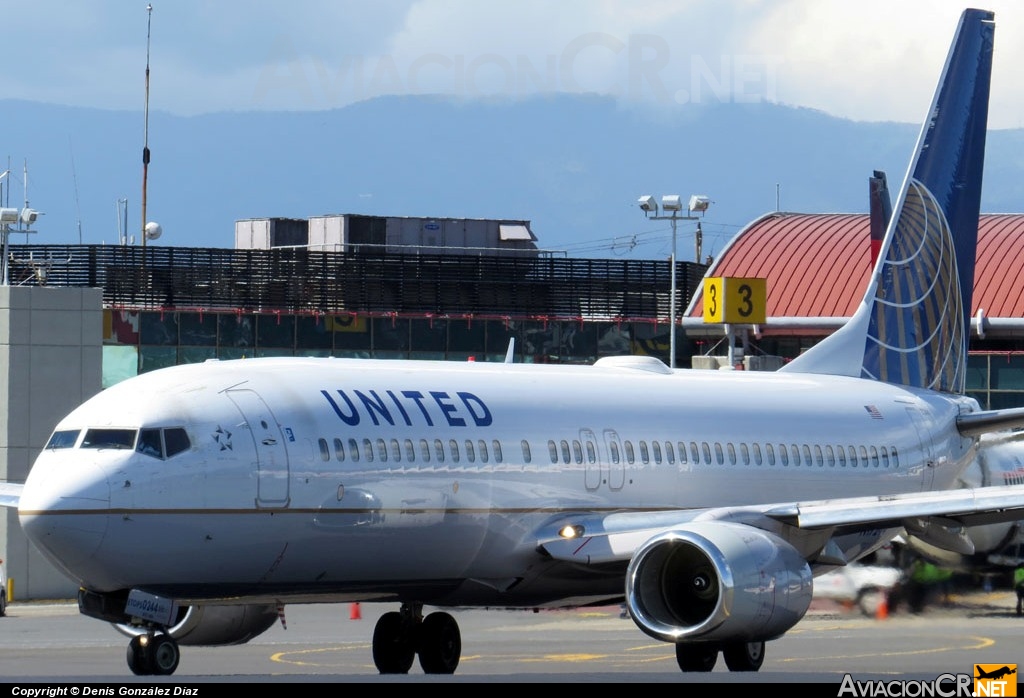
(51,360)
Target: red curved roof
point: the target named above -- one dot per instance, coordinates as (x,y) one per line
(817,265)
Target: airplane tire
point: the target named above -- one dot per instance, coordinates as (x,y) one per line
(743,656)
(164,655)
(138,657)
(440,644)
(696,656)
(393,649)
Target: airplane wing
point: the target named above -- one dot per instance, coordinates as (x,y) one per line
(10,494)
(938,517)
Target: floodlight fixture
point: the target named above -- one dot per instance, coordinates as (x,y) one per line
(9,215)
(699,202)
(671,202)
(648,204)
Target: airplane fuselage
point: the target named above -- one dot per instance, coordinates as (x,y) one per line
(321,478)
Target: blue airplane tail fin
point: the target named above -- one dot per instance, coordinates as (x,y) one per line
(912,326)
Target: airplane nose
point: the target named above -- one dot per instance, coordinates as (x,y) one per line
(64,509)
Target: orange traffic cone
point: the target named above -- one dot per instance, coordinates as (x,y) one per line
(355,613)
(882,612)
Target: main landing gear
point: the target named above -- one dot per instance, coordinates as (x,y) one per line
(701,656)
(401,635)
(154,653)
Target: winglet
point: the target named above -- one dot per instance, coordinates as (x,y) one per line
(510,353)
(912,326)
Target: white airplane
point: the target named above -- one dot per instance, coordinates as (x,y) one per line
(191,503)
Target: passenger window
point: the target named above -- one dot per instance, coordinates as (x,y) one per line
(644,456)
(771,453)
(526,450)
(368,450)
(410,451)
(353,450)
(577,451)
(874,456)
(819,458)
(757,453)
(482,450)
(885,457)
(830,455)
(339,450)
(325,451)
(470,453)
(396,451)
(439,450)
(864,456)
(895,458)
(150,443)
(425,450)
(670,454)
(731,450)
(707,452)
(382,451)
(744,453)
(783,454)
(682,452)
(630,456)
(591,453)
(565,451)
(807,455)
(656,449)
(851,453)
(553,450)
(613,449)
(694,453)
(453,446)
(496,450)
(794,454)
(841,452)
(719,456)
(63,439)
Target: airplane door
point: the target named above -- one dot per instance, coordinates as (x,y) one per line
(616,468)
(271,454)
(926,448)
(591,460)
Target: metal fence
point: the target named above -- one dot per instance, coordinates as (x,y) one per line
(298,280)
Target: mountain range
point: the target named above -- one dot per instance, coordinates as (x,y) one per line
(572,165)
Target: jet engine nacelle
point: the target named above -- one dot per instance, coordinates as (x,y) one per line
(215,625)
(718,581)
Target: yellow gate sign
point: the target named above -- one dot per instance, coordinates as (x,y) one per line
(735,300)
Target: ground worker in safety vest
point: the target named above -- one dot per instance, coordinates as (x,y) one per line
(1018,586)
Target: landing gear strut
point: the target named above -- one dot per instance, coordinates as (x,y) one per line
(401,635)
(155,653)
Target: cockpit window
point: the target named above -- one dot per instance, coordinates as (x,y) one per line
(149,443)
(109,438)
(175,440)
(64,439)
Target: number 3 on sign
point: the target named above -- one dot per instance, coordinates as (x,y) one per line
(735,300)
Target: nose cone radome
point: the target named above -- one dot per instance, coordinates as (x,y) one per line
(63,511)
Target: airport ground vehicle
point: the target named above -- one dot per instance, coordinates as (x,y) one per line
(863,586)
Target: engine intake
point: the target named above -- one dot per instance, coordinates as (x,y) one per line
(718,581)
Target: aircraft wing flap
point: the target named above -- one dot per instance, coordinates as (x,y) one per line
(10,494)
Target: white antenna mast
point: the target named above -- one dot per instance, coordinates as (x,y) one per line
(145,146)
(74,178)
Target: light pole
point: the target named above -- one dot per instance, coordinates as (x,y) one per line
(673,205)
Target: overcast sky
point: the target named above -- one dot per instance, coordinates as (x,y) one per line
(868,60)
